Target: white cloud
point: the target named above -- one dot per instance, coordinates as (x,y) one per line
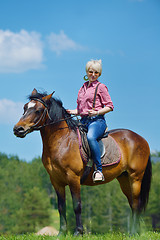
(61,42)
(10,111)
(20,51)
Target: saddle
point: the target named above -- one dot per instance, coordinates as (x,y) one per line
(84,146)
(110,152)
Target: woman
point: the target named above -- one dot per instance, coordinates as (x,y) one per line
(92,106)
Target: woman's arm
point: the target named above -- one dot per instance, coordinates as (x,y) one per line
(102,111)
(73,112)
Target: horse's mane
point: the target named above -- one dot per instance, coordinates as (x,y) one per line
(56,110)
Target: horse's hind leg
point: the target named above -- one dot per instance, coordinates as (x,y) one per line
(125,185)
(131,189)
(136,190)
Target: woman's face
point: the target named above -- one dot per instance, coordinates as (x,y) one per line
(92,74)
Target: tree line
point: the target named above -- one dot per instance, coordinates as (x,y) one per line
(27,201)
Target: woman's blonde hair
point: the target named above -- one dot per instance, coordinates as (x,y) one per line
(96,65)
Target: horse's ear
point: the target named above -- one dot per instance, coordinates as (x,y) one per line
(34,91)
(48,97)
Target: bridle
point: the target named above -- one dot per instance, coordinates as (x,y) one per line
(45,112)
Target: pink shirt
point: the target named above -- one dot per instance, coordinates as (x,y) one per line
(86,96)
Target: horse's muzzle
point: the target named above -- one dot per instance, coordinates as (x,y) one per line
(19,131)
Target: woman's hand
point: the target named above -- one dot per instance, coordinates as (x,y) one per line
(92,113)
(73,112)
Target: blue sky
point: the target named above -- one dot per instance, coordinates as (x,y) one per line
(46,44)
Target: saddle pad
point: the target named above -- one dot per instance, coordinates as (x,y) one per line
(112,152)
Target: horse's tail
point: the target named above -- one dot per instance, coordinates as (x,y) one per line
(145,187)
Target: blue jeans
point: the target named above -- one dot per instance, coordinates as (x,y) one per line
(96,127)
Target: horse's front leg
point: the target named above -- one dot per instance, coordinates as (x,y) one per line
(74,186)
(62,210)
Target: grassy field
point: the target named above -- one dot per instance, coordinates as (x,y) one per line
(109,236)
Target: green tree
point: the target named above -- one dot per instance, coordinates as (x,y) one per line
(34,213)
(153,211)
(105,208)
(37,168)
(9,191)
(17,179)
(156,154)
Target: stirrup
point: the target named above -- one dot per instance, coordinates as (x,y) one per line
(97,176)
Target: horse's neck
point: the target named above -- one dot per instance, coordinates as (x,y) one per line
(52,133)
(56,143)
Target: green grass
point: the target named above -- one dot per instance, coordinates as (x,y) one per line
(109,236)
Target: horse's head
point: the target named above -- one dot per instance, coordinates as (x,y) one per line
(34,116)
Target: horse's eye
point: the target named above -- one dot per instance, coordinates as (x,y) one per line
(38,111)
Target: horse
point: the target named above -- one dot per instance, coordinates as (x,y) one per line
(62,159)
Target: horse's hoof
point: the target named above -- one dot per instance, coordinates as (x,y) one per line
(62,233)
(78,232)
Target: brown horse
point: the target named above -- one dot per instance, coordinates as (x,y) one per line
(62,160)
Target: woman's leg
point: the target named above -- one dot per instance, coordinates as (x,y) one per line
(95,131)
